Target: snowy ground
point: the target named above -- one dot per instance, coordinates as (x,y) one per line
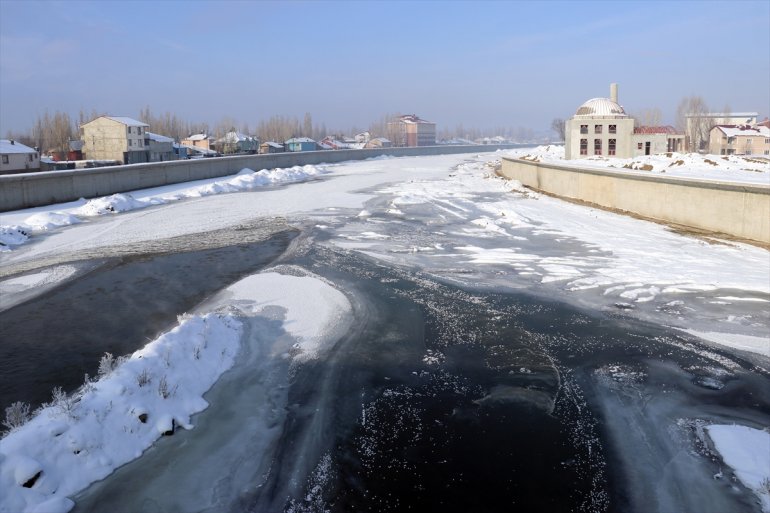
(449,216)
(723,168)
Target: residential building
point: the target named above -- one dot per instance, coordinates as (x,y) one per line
(300,144)
(17,158)
(115,138)
(601,127)
(271,147)
(160,148)
(202,141)
(698,126)
(378,142)
(410,130)
(739,140)
(237,142)
(330,142)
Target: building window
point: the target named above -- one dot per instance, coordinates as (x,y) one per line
(5,159)
(767,141)
(583,129)
(638,146)
(129,130)
(767,152)
(611,147)
(597,146)
(613,129)
(31,158)
(584,146)
(722,151)
(730,140)
(129,142)
(597,129)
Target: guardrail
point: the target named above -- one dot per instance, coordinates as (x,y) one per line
(45,188)
(735,209)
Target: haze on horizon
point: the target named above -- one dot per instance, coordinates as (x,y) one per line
(479,64)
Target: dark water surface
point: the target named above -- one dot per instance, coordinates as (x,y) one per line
(54,339)
(438,399)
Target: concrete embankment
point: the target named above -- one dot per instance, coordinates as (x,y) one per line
(737,210)
(46,188)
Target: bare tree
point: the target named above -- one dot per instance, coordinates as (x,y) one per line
(558,126)
(692,119)
(648,117)
(307,125)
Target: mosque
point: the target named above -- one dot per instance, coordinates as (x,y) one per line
(601,127)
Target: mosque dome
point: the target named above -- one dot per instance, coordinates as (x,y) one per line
(601,107)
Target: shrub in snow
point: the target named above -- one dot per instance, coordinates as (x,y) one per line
(163,389)
(64,403)
(106,365)
(16,415)
(143,378)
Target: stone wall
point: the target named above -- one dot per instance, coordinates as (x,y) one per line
(46,188)
(738,210)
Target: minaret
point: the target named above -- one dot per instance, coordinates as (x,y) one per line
(614,92)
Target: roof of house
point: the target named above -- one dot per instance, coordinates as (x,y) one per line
(601,107)
(126,121)
(197,137)
(10,146)
(668,129)
(236,137)
(723,115)
(744,130)
(159,138)
(273,144)
(413,119)
(300,140)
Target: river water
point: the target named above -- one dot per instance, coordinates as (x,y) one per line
(439,398)
(451,391)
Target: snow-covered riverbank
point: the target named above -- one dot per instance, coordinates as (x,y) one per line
(448,217)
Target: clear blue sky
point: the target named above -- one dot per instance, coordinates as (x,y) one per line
(482,64)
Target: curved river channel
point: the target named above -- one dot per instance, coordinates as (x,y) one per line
(446,393)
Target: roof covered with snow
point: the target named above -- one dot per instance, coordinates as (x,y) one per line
(744,131)
(272,144)
(198,137)
(413,119)
(236,137)
(159,138)
(601,107)
(300,140)
(8,146)
(126,121)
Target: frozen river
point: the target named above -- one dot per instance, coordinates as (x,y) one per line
(486,348)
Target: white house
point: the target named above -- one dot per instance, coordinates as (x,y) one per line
(17,158)
(739,140)
(601,127)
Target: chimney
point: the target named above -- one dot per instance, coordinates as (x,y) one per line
(13,142)
(614,92)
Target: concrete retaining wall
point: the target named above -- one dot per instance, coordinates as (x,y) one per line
(46,188)
(738,210)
